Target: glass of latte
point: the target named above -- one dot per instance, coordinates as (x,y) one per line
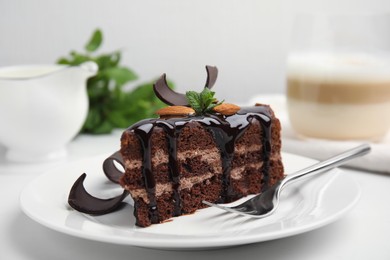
(338,76)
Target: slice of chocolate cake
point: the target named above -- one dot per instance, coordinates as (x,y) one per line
(186,156)
(199,149)
(173,164)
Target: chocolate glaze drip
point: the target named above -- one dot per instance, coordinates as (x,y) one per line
(144,133)
(226,135)
(172,135)
(265,121)
(82,201)
(225,130)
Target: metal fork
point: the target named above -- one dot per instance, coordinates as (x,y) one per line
(264,204)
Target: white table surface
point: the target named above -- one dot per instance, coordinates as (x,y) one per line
(364,233)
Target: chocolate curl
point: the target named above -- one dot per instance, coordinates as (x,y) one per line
(167,95)
(82,201)
(109,168)
(171,97)
(212,74)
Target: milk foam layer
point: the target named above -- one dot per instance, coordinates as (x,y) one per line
(349,67)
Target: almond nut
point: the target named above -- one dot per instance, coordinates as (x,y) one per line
(175,111)
(226,109)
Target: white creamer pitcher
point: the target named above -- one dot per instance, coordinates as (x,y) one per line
(42,107)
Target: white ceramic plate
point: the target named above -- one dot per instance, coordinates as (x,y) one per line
(305,205)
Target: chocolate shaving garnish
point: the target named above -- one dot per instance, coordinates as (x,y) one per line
(109,168)
(82,201)
(171,97)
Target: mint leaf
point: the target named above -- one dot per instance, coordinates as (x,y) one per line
(95,41)
(194,100)
(202,102)
(207,97)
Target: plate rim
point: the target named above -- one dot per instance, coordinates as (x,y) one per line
(182,243)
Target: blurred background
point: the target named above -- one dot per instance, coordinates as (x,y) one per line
(247,40)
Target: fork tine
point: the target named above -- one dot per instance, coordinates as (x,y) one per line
(209,203)
(214,205)
(240,208)
(228,209)
(239,212)
(218,206)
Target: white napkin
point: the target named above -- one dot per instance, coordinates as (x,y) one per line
(378,160)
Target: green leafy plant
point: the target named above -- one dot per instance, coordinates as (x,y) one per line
(110,106)
(202,102)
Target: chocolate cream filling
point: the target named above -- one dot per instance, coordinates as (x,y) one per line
(206,155)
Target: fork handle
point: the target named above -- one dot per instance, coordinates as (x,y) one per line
(328,164)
